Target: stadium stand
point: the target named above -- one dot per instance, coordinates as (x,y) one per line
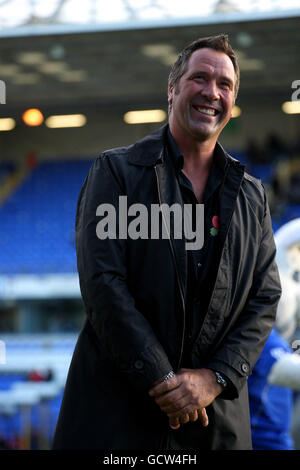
(37,221)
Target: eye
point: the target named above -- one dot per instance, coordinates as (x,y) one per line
(226,85)
(198,77)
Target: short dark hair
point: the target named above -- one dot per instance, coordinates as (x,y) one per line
(218,43)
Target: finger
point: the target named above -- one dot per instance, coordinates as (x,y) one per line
(184,419)
(189,408)
(193,415)
(173,401)
(174,423)
(169,397)
(203,417)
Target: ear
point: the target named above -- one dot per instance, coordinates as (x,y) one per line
(232,109)
(170,93)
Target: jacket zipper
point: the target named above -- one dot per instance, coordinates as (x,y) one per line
(176,269)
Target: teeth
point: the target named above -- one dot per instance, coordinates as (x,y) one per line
(211,112)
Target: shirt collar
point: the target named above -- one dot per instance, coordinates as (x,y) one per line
(217,171)
(219,159)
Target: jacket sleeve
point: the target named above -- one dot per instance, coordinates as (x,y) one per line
(125,335)
(241,348)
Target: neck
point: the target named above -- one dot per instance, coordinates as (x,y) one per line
(197,154)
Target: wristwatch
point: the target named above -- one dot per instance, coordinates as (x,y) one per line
(221,380)
(168,376)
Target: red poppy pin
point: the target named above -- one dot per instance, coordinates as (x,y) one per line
(215,229)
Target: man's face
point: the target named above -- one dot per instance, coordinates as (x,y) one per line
(203,99)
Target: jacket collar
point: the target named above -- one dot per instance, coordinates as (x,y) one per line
(149,150)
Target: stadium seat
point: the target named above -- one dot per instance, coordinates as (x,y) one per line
(37,220)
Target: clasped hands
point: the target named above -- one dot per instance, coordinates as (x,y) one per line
(185,397)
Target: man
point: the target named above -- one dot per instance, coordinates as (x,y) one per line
(172,333)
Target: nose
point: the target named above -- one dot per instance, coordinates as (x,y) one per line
(210,90)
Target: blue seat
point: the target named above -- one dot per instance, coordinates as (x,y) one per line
(37,221)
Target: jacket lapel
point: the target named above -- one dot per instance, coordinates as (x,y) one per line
(229,193)
(150,152)
(169,193)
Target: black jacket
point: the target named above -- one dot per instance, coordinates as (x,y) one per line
(134,295)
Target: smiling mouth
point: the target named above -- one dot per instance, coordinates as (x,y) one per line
(207,111)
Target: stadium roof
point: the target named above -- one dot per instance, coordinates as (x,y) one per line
(121,67)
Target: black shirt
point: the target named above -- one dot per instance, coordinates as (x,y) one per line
(202,263)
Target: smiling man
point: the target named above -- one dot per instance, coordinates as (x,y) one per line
(201,102)
(171,334)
